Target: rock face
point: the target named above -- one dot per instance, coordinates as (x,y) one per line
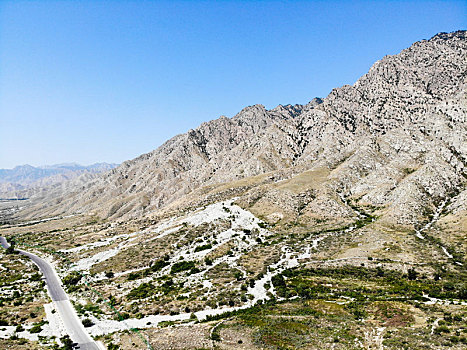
(395,140)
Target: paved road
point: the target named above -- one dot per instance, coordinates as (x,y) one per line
(67,313)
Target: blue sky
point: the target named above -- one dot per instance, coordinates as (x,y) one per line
(89,81)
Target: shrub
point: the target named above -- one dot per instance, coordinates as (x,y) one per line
(203,247)
(11,250)
(215,335)
(182,266)
(72,279)
(442,329)
(35,277)
(36,329)
(124,316)
(144,290)
(279,284)
(67,343)
(278,281)
(133,276)
(194,270)
(238,275)
(412,274)
(87,322)
(159,264)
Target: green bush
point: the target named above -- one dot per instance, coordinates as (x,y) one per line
(133,276)
(182,266)
(159,264)
(11,250)
(67,343)
(412,274)
(144,290)
(35,277)
(36,329)
(87,322)
(72,279)
(442,329)
(203,247)
(194,270)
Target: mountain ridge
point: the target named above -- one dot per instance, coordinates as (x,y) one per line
(400,115)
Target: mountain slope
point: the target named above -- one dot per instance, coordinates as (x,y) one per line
(396,140)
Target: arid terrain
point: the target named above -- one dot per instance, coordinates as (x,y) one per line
(340,224)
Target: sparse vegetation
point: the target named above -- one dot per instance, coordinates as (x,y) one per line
(144,290)
(182,266)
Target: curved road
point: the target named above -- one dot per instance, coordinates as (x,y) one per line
(72,323)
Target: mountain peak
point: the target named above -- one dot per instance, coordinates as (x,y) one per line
(404,113)
(459,34)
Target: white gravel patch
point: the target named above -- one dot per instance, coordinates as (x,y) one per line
(55,326)
(241,219)
(87,263)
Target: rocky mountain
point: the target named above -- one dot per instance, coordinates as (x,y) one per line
(339,224)
(395,140)
(25,180)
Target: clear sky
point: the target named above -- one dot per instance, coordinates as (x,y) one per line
(89,81)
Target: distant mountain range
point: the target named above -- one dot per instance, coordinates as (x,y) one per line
(24,180)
